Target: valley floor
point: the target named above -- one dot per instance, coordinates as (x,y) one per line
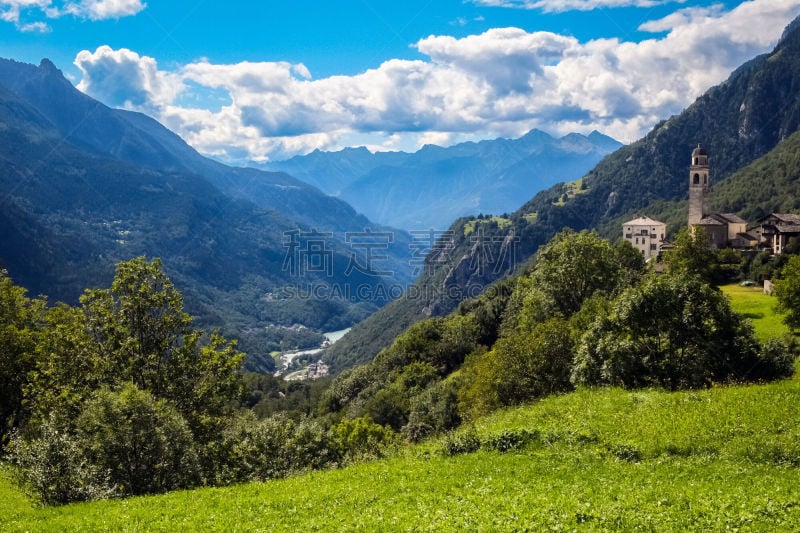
(718,459)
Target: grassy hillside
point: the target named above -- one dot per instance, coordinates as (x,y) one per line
(597,459)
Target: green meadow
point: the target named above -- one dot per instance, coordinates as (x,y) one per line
(725,458)
(759,308)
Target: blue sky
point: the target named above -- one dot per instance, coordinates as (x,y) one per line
(268,80)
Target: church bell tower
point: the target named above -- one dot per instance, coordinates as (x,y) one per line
(698,185)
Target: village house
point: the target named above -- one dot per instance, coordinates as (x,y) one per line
(645,234)
(775,230)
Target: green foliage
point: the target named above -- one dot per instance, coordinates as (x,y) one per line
(573,266)
(461,442)
(257,450)
(433,411)
(134,332)
(520,367)
(53,467)
(122,396)
(143,445)
(361,438)
(268,395)
(672,331)
(691,255)
(404,387)
(787,290)
(20,319)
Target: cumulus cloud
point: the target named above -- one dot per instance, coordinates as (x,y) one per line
(560,6)
(123,78)
(14,10)
(502,82)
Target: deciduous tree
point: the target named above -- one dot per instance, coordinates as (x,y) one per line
(787,290)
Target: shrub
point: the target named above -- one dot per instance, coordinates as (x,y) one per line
(143,444)
(361,438)
(123,443)
(432,411)
(776,361)
(510,440)
(671,331)
(52,467)
(456,443)
(521,366)
(257,450)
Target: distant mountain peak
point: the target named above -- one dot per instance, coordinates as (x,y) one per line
(48,66)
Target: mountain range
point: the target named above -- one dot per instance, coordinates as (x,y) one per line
(749,125)
(435,185)
(83,186)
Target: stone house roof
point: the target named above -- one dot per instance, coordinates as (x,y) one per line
(711,221)
(643,221)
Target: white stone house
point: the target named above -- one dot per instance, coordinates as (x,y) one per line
(645,234)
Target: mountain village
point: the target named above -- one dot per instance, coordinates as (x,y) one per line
(723,230)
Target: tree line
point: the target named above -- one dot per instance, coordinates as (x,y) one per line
(121,396)
(585,313)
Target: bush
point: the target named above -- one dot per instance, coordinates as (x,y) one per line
(674,332)
(456,443)
(143,444)
(521,366)
(123,443)
(258,450)
(432,411)
(510,440)
(53,469)
(776,361)
(361,438)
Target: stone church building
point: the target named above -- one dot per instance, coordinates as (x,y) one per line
(723,229)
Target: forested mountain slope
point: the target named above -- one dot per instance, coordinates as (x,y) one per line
(83,186)
(138,139)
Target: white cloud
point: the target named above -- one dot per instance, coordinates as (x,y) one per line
(34,27)
(123,78)
(104,9)
(560,6)
(11,10)
(504,81)
(14,10)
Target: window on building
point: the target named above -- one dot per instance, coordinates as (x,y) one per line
(653,247)
(697,179)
